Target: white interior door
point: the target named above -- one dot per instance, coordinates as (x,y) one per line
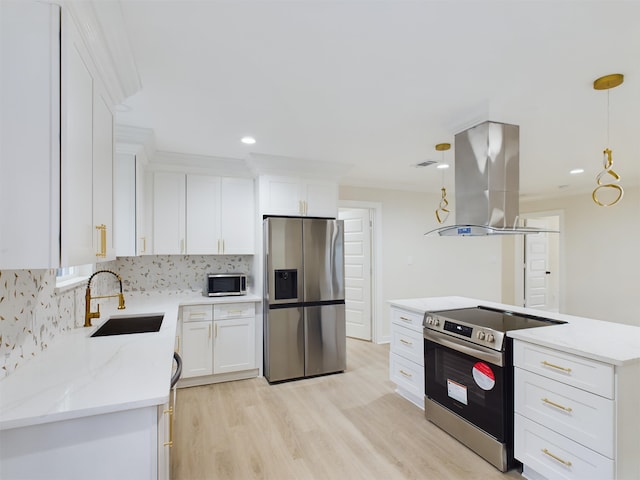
(357,268)
(541,266)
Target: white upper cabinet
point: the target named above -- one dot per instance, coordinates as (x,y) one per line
(298,197)
(237,216)
(132,232)
(87,156)
(103,159)
(203,219)
(57,141)
(29,135)
(169,213)
(203,215)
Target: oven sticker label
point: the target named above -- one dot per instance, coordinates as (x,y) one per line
(456,391)
(484,376)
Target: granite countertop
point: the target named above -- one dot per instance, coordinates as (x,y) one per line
(608,342)
(79,376)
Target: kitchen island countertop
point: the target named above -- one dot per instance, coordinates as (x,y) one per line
(79,376)
(608,342)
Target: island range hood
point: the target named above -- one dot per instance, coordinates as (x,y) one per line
(487,182)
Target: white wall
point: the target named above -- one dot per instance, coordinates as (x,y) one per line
(601,256)
(417,266)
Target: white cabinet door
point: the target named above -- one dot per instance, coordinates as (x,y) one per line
(124,204)
(168,213)
(321,199)
(203,219)
(237,216)
(29,135)
(77,150)
(280,196)
(234,345)
(103,150)
(296,196)
(197,345)
(143,205)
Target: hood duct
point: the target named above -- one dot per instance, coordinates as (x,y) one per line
(487,182)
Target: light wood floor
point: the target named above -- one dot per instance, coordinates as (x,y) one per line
(344,426)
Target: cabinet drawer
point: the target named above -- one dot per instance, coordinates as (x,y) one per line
(556,457)
(407,374)
(407,343)
(584,417)
(197,313)
(233,310)
(584,373)
(406,318)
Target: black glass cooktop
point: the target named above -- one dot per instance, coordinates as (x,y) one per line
(497,320)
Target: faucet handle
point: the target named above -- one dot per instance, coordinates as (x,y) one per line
(121,301)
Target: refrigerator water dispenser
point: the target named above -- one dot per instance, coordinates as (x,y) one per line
(286,284)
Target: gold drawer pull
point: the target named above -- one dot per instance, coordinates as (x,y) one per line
(406,374)
(557,405)
(557,367)
(556,458)
(405,319)
(402,340)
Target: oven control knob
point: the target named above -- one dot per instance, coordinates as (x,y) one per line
(436,321)
(490,338)
(480,335)
(430,320)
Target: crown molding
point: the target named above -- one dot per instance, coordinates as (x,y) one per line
(102,28)
(132,140)
(203,164)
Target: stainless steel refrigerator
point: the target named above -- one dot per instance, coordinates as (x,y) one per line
(304,309)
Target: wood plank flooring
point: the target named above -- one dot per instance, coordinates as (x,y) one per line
(344,426)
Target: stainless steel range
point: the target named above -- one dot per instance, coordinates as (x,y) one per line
(469,377)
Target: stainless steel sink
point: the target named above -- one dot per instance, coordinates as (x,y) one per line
(128,324)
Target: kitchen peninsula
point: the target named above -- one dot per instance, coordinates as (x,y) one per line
(97,407)
(575,389)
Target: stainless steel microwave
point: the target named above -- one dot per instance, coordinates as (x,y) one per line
(223,284)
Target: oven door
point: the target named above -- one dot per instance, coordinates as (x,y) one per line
(468,380)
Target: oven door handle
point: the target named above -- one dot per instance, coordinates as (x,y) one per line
(477,351)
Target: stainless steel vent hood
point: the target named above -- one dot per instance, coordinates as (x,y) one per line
(487,180)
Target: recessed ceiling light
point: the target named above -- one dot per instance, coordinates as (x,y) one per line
(248,140)
(576,171)
(443,166)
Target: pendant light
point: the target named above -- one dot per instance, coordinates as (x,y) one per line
(608,180)
(442,213)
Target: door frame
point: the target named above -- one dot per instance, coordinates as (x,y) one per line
(377,307)
(519,259)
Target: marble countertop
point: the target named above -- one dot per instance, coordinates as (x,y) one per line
(608,342)
(79,376)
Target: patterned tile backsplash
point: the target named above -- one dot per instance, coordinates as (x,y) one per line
(32,313)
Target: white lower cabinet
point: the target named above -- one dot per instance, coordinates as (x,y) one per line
(123,445)
(218,343)
(406,357)
(574,417)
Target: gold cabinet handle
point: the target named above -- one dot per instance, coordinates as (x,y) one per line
(196,315)
(406,374)
(218,245)
(103,240)
(223,245)
(178,348)
(402,340)
(216,331)
(405,319)
(556,458)
(170,442)
(144,244)
(557,367)
(209,331)
(182,245)
(306,206)
(557,405)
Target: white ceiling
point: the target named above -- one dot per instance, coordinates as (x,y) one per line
(376,84)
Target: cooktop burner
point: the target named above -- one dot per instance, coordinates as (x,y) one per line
(482,325)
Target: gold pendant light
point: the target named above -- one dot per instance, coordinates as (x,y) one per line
(442,213)
(608,180)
